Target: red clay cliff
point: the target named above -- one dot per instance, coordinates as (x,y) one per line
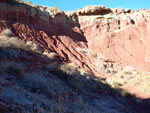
(121,35)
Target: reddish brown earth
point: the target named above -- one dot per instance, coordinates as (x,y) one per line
(124,40)
(121,35)
(49,34)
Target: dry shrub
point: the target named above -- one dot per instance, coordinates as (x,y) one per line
(102,65)
(33,46)
(69,69)
(50,55)
(47,85)
(8,40)
(7,32)
(130,77)
(55,10)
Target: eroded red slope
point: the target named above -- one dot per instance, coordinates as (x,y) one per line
(122,36)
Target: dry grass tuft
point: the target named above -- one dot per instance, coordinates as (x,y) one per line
(8,40)
(69,69)
(130,77)
(50,55)
(7,32)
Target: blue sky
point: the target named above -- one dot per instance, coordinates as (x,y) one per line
(75,4)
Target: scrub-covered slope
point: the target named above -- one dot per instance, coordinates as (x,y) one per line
(111,44)
(35,82)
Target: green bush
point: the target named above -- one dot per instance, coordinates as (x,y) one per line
(29,2)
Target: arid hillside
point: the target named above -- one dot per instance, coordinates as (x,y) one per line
(35,81)
(120,35)
(92,60)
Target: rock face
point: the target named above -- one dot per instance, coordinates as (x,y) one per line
(121,38)
(94,10)
(121,35)
(50,28)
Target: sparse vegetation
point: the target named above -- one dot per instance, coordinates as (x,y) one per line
(69,69)
(70,90)
(7,32)
(125,93)
(94,55)
(127,73)
(48,86)
(130,77)
(103,66)
(7,39)
(29,2)
(50,55)
(69,79)
(141,82)
(54,11)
